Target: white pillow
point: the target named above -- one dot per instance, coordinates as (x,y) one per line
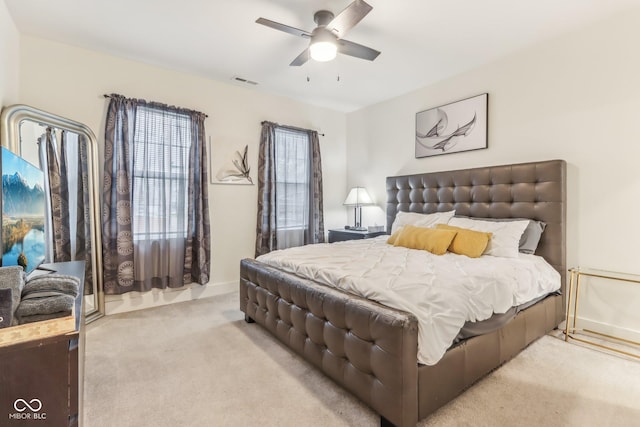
(420,220)
(505,239)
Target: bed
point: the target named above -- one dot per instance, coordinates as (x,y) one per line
(371,349)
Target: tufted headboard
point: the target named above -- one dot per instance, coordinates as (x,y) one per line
(534,190)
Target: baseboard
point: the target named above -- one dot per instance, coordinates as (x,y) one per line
(132,301)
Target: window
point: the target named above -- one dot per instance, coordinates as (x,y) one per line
(292,164)
(289,188)
(155,207)
(162,140)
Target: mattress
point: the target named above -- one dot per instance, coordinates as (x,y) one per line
(443,292)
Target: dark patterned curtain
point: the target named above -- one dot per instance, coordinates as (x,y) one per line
(316,215)
(117,236)
(197,248)
(290,209)
(68,196)
(155,204)
(266,238)
(83,209)
(56,167)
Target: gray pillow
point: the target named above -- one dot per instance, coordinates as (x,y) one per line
(6,307)
(530,237)
(13,278)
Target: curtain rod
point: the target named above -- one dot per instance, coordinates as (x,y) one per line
(290,127)
(206,115)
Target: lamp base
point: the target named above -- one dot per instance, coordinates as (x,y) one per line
(359,228)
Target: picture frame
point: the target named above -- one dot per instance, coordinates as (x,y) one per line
(452,128)
(230,169)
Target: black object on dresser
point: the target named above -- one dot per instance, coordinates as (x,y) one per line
(342,234)
(41,377)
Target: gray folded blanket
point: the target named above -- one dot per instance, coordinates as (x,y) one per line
(40,317)
(12,278)
(44,297)
(59,283)
(45,305)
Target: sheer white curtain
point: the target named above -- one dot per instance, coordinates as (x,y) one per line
(160,187)
(292,152)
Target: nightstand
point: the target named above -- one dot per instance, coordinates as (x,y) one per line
(341,234)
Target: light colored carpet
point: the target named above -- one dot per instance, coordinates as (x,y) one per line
(199,364)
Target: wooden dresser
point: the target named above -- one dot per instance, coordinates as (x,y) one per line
(41,373)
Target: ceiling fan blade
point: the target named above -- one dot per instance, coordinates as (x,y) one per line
(301,59)
(282,27)
(349,17)
(357,50)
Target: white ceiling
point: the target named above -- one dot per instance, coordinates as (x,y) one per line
(422,41)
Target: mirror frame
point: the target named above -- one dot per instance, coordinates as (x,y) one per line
(10,120)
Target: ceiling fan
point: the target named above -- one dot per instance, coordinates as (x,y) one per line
(327,38)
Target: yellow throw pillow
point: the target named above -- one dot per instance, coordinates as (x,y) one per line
(467,242)
(427,239)
(391,240)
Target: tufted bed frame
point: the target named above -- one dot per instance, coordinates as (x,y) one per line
(370,349)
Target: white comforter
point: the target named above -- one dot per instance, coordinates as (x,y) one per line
(443,292)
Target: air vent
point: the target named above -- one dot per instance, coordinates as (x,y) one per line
(243,80)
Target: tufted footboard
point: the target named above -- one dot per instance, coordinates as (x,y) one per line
(367,348)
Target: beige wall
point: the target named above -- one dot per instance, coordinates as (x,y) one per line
(70,82)
(10,54)
(575,98)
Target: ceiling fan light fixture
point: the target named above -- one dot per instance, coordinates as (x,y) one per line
(327,39)
(323,51)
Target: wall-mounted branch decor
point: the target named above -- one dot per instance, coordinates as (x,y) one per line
(235,170)
(451,128)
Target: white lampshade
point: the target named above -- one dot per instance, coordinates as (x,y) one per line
(358,196)
(323,51)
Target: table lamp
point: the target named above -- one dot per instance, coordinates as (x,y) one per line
(357,198)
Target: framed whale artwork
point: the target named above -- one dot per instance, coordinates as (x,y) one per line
(452,128)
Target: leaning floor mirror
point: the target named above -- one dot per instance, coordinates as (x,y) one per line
(67,152)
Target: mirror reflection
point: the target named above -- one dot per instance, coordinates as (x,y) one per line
(66,152)
(61,154)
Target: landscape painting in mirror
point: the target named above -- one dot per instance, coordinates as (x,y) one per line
(23,212)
